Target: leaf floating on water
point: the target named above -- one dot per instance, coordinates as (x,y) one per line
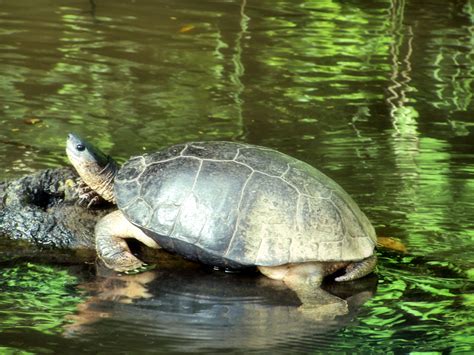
(32,120)
(186,28)
(391,243)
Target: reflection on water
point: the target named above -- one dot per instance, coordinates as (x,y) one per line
(214,310)
(377,94)
(193,309)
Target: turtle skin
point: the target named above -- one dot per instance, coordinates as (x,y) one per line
(236,205)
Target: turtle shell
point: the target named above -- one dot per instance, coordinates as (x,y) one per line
(238,205)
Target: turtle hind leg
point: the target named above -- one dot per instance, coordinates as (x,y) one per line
(359,269)
(112,249)
(296,274)
(305,280)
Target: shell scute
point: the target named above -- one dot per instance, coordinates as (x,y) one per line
(267,161)
(212,150)
(320,219)
(131,170)
(139,211)
(308,180)
(169,192)
(210,213)
(266,224)
(165,154)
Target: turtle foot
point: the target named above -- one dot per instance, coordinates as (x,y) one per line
(111,246)
(124,262)
(87,196)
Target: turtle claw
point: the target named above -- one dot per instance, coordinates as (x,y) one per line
(139,270)
(86,196)
(89,199)
(94,201)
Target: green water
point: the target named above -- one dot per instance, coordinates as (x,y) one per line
(378,95)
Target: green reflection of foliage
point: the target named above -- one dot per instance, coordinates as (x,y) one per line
(36,296)
(10,351)
(437,212)
(332,46)
(428,310)
(452,71)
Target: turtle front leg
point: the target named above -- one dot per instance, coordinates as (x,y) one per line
(110,234)
(87,195)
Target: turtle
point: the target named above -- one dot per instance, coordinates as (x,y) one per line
(229,205)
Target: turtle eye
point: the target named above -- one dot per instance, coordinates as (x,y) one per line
(80,147)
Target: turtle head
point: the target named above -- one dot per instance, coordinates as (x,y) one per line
(95,168)
(82,153)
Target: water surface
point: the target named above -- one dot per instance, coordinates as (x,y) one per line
(378,95)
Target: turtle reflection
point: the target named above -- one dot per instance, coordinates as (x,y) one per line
(203,309)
